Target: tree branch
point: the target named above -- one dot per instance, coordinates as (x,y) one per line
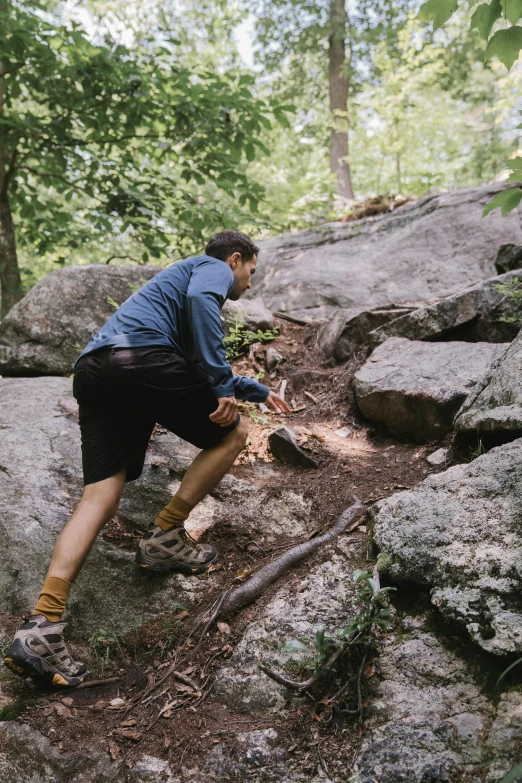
(61,178)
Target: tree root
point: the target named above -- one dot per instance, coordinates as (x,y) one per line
(259,581)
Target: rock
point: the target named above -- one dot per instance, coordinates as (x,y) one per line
(509,257)
(472,314)
(250,312)
(44,333)
(414,388)
(343,432)
(458,534)
(496,404)
(40,481)
(428,718)
(283,445)
(432,247)
(273,358)
(438,457)
(343,334)
(321,601)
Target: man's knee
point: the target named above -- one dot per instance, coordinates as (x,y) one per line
(241,431)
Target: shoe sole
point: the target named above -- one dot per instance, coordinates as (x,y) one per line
(36,667)
(163,567)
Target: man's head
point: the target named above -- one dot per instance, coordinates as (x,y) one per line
(240,253)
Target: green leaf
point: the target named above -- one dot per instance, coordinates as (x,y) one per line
(512,10)
(437,11)
(359,574)
(507,200)
(512,776)
(319,640)
(506,45)
(484,17)
(294,645)
(512,666)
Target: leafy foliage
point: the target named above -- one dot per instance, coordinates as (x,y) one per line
(371,613)
(239,337)
(104,141)
(505,43)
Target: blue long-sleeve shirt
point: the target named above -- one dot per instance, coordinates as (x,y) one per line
(181,307)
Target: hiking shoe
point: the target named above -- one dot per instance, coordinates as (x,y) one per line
(174,550)
(38,651)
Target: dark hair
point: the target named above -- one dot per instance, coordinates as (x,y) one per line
(227,242)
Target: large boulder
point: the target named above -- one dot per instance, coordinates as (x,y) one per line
(458,533)
(473,314)
(345,332)
(496,404)
(429,248)
(429,719)
(414,388)
(252,313)
(44,333)
(41,481)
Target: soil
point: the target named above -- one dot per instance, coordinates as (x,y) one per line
(359,461)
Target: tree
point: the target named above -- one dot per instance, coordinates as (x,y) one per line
(328,52)
(504,41)
(123,133)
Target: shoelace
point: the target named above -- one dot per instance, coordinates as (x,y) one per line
(189,541)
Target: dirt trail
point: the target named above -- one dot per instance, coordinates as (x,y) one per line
(365,462)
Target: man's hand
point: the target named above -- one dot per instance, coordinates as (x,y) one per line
(226,412)
(277,404)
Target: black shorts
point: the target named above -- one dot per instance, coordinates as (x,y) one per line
(124,392)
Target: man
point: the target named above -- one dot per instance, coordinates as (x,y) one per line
(159,359)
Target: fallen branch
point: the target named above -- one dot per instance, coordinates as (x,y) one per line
(212,618)
(96,683)
(296,684)
(259,581)
(298,321)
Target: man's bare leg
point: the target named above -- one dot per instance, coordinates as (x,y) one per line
(98,505)
(209,467)
(166,546)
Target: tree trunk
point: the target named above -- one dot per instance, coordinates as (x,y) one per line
(10,282)
(339,89)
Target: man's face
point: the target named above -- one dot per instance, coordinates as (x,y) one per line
(243,270)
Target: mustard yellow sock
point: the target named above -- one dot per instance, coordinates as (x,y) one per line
(174,513)
(51,602)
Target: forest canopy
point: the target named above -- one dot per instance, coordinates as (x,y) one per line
(131,131)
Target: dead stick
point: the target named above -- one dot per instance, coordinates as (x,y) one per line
(259,581)
(295,684)
(213,617)
(95,683)
(292,319)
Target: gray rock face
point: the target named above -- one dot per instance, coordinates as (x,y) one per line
(433,247)
(40,482)
(414,388)
(429,721)
(496,404)
(479,307)
(43,334)
(250,312)
(458,533)
(343,334)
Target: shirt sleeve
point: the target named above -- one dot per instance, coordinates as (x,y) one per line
(209,287)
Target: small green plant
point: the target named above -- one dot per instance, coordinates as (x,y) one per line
(512,291)
(371,614)
(113,303)
(479,451)
(253,413)
(104,644)
(239,337)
